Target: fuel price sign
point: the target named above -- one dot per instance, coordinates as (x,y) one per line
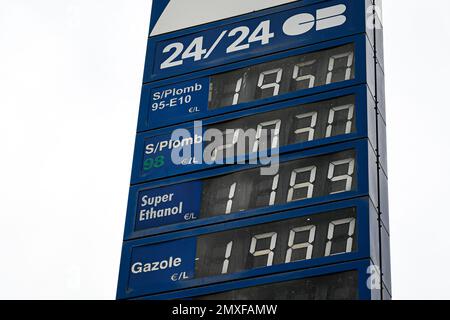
(260,168)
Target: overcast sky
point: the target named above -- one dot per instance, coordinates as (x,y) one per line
(70,81)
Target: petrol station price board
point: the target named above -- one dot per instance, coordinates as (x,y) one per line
(295,87)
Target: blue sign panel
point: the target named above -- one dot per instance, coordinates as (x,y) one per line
(296,239)
(178,100)
(167,205)
(155,266)
(253,37)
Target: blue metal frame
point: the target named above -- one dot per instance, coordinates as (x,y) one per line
(366,219)
(366,186)
(355,24)
(361,266)
(365,128)
(363,74)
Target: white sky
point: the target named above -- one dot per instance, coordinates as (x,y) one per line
(70,81)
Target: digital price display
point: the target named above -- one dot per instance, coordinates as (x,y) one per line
(275,243)
(245,136)
(282,76)
(299,124)
(295,181)
(339,286)
(295,125)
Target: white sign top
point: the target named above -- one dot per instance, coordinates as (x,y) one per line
(181,14)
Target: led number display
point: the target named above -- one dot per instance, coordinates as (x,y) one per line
(282,76)
(295,181)
(286,127)
(275,243)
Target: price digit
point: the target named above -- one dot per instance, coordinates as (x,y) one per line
(275,135)
(297,246)
(299,76)
(268,252)
(226,261)
(275,85)
(232,135)
(348,177)
(237,91)
(230,198)
(348,126)
(348,67)
(309,185)
(273,194)
(351,222)
(310,130)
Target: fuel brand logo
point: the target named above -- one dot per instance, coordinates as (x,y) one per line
(325,18)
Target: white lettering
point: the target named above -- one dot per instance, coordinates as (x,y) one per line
(140,267)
